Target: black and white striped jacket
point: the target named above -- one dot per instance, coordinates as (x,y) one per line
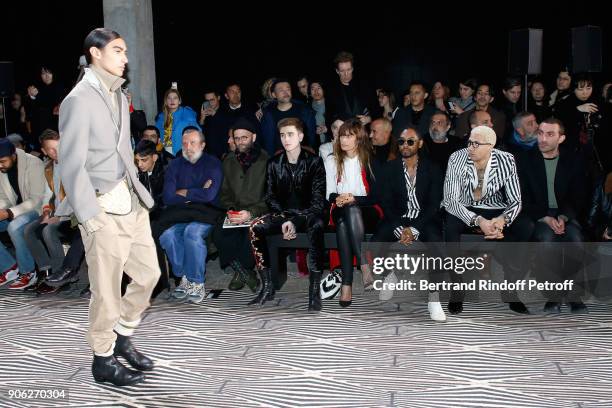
(501,189)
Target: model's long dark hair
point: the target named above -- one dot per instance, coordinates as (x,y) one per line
(98,38)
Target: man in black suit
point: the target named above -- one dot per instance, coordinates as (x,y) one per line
(347,97)
(553,186)
(411,202)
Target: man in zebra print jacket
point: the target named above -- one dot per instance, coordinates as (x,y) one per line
(482,193)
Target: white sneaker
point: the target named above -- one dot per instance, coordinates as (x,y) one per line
(196,293)
(436,312)
(387,294)
(181,290)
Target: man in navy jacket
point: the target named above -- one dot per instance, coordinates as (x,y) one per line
(195,177)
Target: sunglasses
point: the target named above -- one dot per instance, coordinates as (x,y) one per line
(409,142)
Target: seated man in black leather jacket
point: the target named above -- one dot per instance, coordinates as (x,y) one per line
(295,192)
(600,215)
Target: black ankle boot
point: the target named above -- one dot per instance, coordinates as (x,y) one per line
(314,291)
(266,291)
(246,276)
(110,369)
(124,348)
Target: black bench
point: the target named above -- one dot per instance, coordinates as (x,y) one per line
(278,258)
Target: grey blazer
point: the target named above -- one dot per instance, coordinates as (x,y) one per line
(95,152)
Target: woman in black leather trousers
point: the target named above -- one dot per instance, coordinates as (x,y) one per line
(353,194)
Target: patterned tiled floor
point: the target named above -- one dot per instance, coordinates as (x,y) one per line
(222,353)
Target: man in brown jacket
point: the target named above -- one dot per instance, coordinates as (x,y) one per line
(242,194)
(102,189)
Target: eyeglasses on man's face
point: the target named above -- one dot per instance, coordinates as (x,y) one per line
(241,139)
(476,145)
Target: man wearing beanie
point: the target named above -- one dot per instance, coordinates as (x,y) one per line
(22,189)
(242,194)
(110,203)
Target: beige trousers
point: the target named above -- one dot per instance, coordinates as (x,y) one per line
(123,244)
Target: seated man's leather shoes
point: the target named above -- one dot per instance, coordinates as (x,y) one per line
(63,276)
(455,307)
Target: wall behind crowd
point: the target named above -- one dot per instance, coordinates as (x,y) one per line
(205,48)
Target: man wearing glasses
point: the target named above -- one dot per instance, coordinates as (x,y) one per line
(482,194)
(413,191)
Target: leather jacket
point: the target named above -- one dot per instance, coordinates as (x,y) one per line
(154,183)
(600,215)
(307,181)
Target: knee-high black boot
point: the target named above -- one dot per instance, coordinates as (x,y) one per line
(314,291)
(267,288)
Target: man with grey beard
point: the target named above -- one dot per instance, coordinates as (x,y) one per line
(440,144)
(525,135)
(196,177)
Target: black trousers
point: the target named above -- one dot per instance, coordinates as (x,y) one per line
(271,224)
(233,244)
(560,257)
(352,222)
(76,252)
(515,267)
(430,232)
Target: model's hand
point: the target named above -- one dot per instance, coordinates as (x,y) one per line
(182,192)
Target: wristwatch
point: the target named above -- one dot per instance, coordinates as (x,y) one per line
(474,221)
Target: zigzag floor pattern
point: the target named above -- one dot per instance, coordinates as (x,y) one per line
(222,353)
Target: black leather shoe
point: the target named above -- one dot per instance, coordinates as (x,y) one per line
(44,289)
(124,348)
(62,277)
(85,293)
(266,292)
(578,307)
(455,307)
(109,369)
(236,283)
(518,307)
(552,307)
(243,276)
(314,291)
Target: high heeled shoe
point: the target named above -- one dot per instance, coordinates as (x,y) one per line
(346,303)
